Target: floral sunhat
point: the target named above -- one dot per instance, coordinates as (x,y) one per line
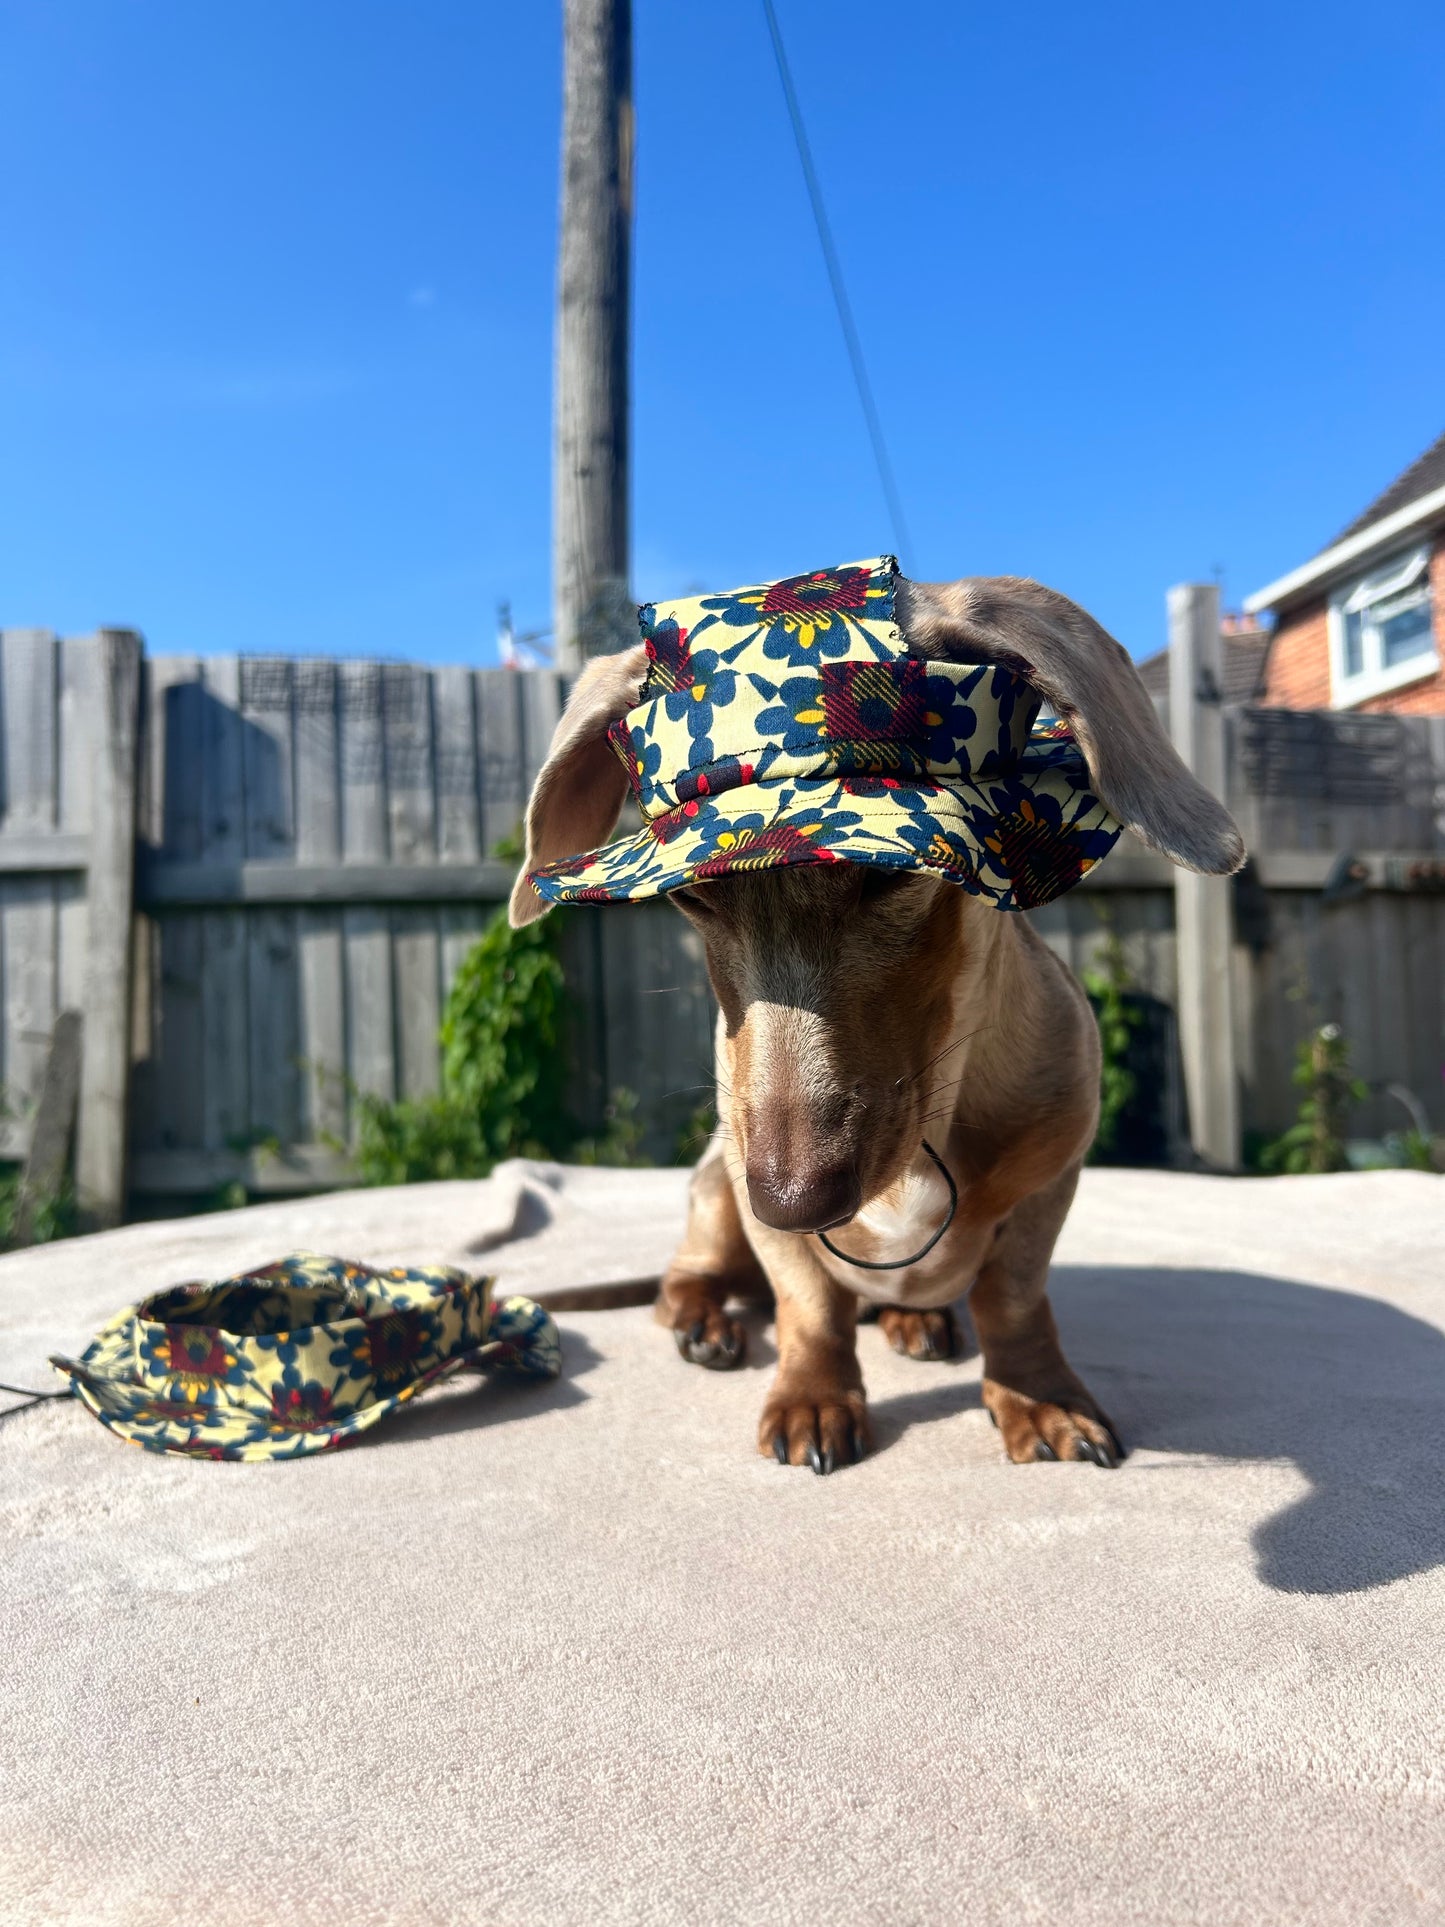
(298,1356)
(788,724)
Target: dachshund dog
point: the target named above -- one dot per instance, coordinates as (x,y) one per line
(863,1009)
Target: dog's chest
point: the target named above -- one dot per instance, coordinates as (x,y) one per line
(898,1223)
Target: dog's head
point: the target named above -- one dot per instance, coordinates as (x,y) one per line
(840,983)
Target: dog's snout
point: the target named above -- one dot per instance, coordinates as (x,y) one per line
(802,1197)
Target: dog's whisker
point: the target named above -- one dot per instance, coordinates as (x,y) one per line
(939,1089)
(913,1076)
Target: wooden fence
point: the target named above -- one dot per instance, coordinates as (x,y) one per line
(313,845)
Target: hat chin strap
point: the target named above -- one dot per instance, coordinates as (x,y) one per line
(902,1264)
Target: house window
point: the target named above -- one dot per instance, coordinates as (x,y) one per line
(1382,631)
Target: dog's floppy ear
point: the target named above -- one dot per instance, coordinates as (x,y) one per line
(1095,688)
(580,789)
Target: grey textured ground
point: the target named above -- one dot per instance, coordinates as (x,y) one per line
(575,1654)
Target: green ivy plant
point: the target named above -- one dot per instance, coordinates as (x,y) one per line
(503,1075)
(502,1070)
(1108,984)
(1316,1140)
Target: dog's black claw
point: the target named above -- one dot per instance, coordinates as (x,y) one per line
(780,1448)
(1043,1450)
(858,1444)
(815,1458)
(992,1418)
(830,1461)
(724,1355)
(714,1354)
(1086,1449)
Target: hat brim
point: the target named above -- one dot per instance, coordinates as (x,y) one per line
(223,1431)
(1019,839)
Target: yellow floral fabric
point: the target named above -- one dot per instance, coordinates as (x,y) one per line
(299,1356)
(788,724)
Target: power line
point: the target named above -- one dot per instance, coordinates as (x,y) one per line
(840,293)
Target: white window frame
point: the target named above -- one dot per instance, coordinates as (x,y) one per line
(1386,579)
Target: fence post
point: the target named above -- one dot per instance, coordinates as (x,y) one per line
(1204,906)
(100,1148)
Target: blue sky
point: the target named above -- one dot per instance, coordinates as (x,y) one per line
(1144,292)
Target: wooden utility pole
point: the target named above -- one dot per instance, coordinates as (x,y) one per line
(592,613)
(1204,906)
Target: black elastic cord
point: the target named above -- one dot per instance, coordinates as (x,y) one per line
(899,1264)
(35,1398)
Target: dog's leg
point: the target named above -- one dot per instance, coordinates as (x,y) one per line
(816,1413)
(1042,1410)
(713,1263)
(919,1334)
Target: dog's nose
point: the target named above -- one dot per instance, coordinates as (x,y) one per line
(790,1198)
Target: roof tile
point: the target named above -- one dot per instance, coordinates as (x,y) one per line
(1422,477)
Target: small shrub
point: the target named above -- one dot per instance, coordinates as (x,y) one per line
(620,1144)
(1411,1150)
(692,1138)
(54,1217)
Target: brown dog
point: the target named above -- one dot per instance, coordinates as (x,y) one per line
(863,1010)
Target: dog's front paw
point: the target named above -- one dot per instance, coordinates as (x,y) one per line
(919,1334)
(712,1339)
(1066,1424)
(821,1427)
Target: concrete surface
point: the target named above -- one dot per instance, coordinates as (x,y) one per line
(575,1654)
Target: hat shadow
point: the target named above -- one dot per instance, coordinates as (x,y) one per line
(1239,1365)
(471,1400)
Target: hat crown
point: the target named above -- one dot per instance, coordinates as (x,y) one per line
(807,678)
(788,724)
(304,1322)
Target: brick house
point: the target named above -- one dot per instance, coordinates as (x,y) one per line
(1362,624)
(1245,648)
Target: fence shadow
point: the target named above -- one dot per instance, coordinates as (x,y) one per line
(1239,1365)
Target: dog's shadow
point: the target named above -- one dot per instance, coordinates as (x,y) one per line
(1234,1365)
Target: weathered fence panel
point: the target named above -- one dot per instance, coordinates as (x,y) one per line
(314,872)
(315,850)
(47,701)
